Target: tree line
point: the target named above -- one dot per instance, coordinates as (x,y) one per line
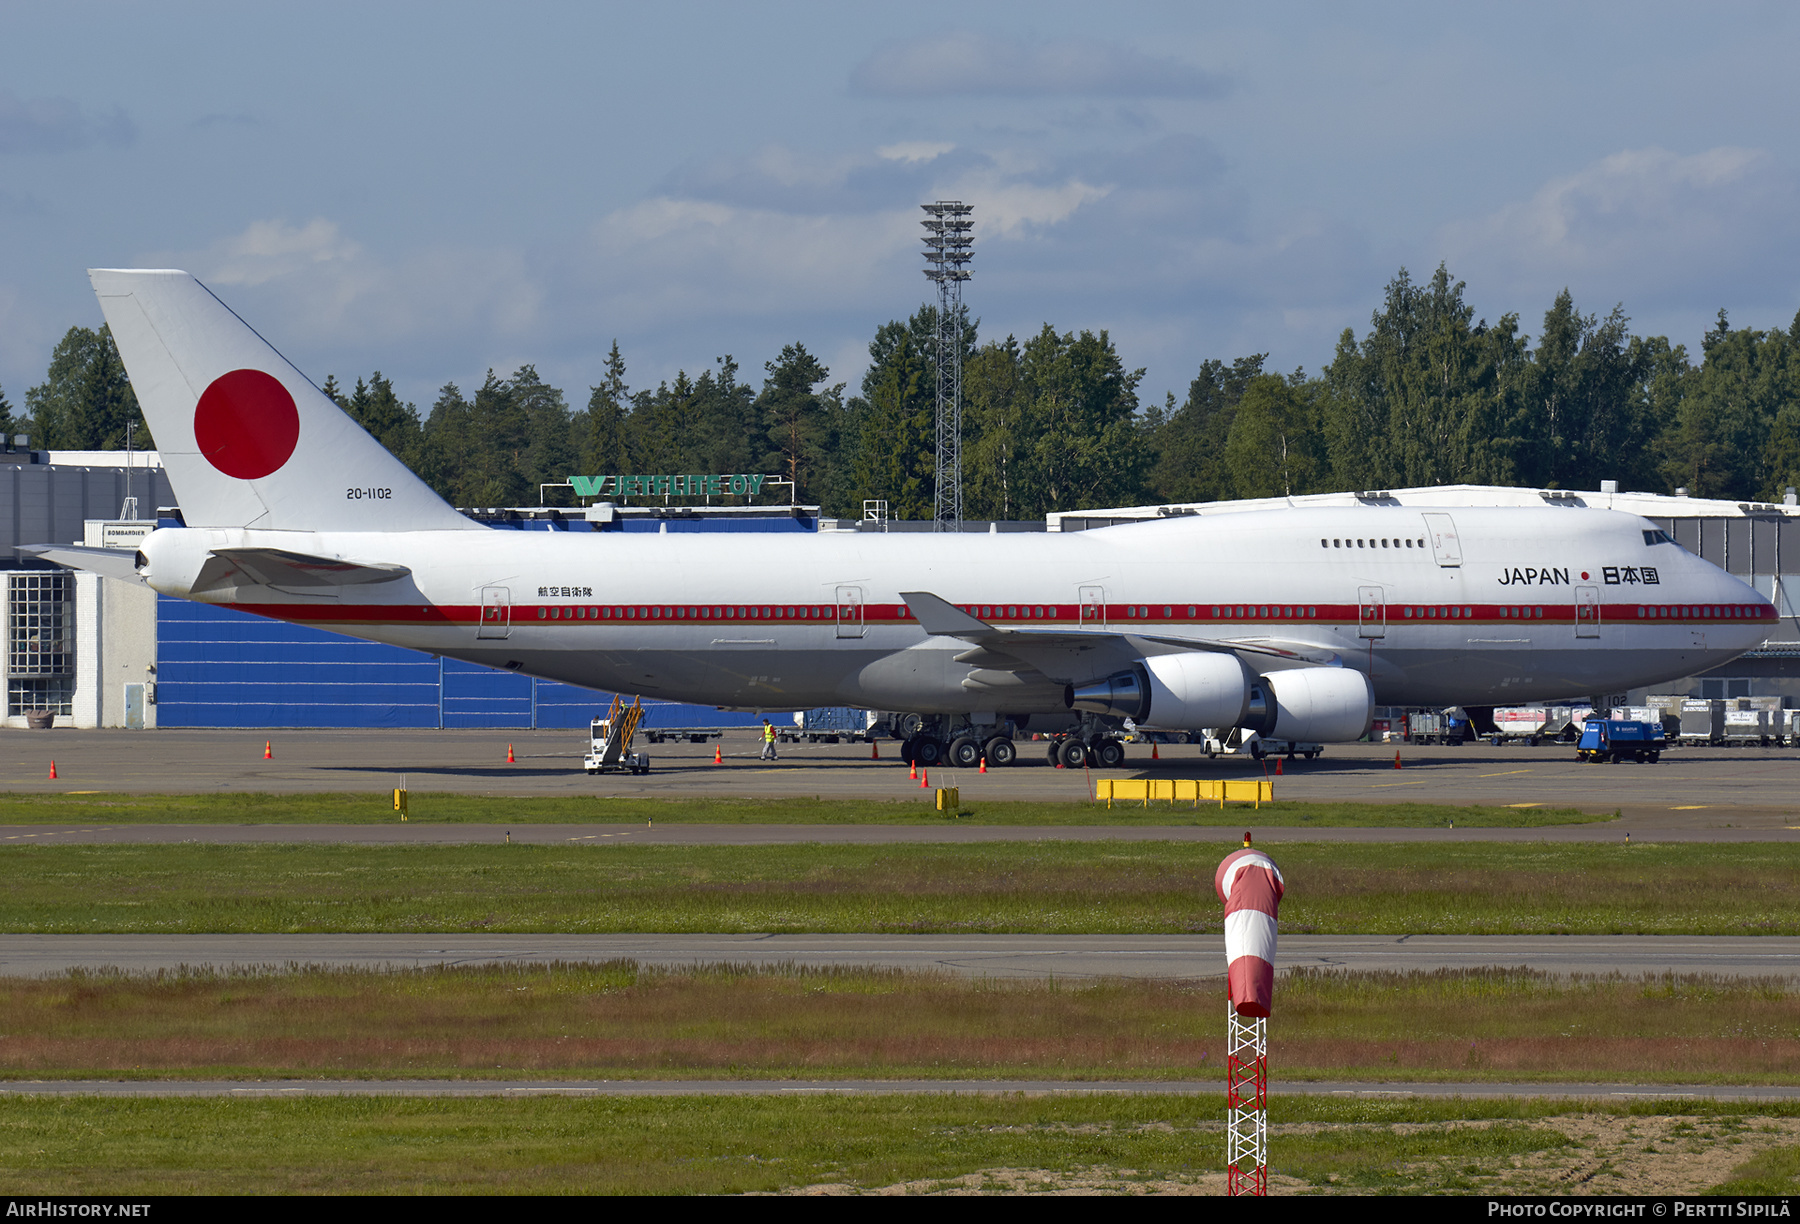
(1429,394)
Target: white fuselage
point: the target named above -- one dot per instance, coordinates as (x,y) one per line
(1518,605)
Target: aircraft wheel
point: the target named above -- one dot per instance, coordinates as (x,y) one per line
(928,752)
(1654,757)
(1109,753)
(1256,752)
(965,753)
(909,751)
(1000,751)
(1055,751)
(1073,753)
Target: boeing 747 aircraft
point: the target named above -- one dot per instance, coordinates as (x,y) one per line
(1291,622)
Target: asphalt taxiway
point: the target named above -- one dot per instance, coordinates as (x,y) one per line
(1709,790)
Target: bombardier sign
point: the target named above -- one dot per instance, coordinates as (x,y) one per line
(695,485)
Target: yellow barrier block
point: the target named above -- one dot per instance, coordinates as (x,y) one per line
(1234,790)
(949,799)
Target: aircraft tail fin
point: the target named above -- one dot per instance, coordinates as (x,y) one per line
(246,439)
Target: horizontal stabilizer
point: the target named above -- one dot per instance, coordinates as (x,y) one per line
(277,567)
(120,563)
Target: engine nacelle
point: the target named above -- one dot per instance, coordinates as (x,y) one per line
(1326,705)
(169,559)
(1189,691)
(1177,692)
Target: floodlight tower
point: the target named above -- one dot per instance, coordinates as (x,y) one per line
(949,246)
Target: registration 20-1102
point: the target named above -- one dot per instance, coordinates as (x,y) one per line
(367,494)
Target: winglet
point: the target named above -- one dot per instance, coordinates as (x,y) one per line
(941,619)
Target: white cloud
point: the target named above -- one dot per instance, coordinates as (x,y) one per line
(266,250)
(319,286)
(913,152)
(1006,207)
(1643,225)
(671,258)
(966,62)
(57,125)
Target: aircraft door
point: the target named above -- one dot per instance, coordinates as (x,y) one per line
(1093,607)
(1440,529)
(496,613)
(849,611)
(1587,612)
(1371,612)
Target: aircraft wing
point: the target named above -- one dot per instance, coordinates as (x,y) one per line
(277,567)
(120,563)
(995,644)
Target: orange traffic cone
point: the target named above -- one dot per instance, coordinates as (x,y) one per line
(53,771)
(1396,760)
(1154,754)
(983,765)
(268,750)
(718,755)
(509,755)
(1278,766)
(874,750)
(915,770)
(925,780)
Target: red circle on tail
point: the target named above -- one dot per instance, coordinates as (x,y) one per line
(246,424)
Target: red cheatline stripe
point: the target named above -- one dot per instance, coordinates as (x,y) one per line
(1260,616)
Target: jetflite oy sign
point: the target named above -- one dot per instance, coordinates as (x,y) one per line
(739,484)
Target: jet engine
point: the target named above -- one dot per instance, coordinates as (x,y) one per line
(1184,692)
(1175,691)
(1327,705)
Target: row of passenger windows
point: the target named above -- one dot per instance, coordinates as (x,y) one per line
(1134,612)
(1717,611)
(667,613)
(1381,543)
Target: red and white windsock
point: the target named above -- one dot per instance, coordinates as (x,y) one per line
(1250,885)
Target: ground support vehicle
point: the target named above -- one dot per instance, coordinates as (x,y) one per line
(1431,727)
(693,735)
(828,724)
(1620,739)
(1528,723)
(1234,740)
(609,741)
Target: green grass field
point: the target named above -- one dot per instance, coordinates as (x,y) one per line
(908,1143)
(620,1021)
(1040,887)
(426,808)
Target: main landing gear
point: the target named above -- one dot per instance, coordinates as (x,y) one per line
(1095,752)
(965,751)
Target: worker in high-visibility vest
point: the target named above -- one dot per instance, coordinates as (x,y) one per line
(768,752)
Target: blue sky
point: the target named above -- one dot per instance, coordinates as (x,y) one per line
(436,189)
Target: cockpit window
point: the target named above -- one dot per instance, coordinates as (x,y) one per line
(1656,537)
